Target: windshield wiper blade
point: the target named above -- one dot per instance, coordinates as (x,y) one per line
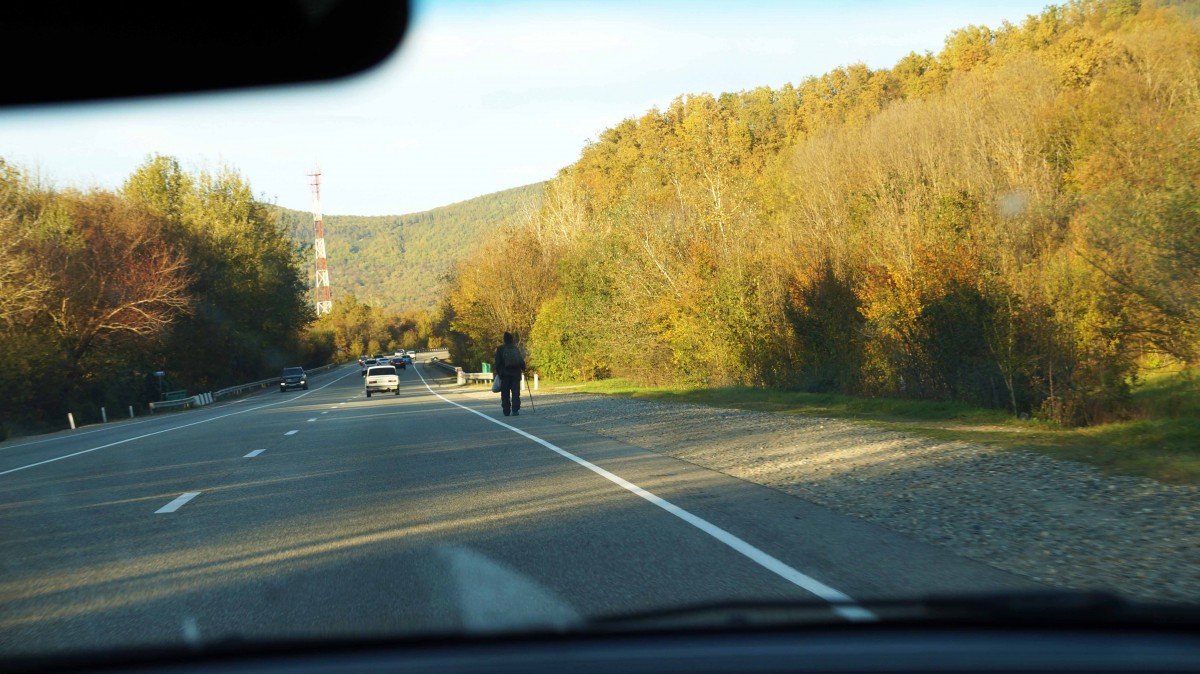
(1059,608)
(1056,605)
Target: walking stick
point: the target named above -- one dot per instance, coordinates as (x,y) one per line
(530,392)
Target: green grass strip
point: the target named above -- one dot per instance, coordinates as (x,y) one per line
(1161,441)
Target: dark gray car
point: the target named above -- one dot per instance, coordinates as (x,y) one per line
(293,377)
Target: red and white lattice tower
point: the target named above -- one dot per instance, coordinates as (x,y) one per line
(324,300)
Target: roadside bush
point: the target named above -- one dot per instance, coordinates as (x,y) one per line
(828,326)
(559,350)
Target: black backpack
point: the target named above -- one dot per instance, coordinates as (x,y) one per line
(512,362)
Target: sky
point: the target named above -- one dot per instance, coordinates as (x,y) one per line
(482,96)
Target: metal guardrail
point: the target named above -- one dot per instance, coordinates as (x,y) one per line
(168,404)
(242,388)
(463,377)
(186,403)
(175,399)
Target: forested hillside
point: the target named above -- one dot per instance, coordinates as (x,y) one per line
(1012,222)
(399,262)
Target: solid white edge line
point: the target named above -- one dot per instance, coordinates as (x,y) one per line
(110,426)
(842,603)
(174,428)
(177,503)
(253,454)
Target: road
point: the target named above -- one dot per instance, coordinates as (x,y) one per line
(323,513)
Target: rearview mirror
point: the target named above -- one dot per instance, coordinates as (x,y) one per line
(96,50)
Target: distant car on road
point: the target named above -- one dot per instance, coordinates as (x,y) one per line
(293,377)
(408,360)
(366,365)
(381,378)
(397,363)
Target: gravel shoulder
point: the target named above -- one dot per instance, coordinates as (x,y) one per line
(1057,522)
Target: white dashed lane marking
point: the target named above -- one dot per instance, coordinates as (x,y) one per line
(177,503)
(292,432)
(253,454)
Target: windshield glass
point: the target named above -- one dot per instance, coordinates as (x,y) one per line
(808,302)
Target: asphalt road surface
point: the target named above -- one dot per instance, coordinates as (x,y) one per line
(322,513)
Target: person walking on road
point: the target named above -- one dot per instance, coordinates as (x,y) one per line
(509,364)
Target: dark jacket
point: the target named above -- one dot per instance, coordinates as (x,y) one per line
(508,361)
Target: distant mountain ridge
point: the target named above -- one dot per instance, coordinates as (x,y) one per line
(399,262)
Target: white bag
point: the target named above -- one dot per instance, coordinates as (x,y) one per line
(495,383)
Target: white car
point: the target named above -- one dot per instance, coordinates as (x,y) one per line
(381,378)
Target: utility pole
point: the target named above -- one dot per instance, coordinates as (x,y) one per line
(323,298)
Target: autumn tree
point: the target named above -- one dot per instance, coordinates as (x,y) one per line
(117,277)
(252,302)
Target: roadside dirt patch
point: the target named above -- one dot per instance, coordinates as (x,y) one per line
(1058,522)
